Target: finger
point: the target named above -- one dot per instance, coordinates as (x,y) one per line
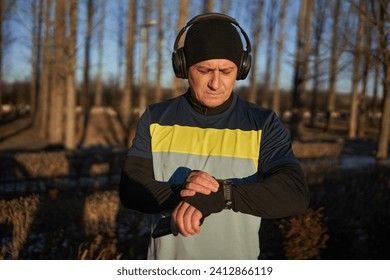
(196,217)
(202,178)
(175,218)
(201,182)
(188,223)
(186,192)
(198,188)
(178,215)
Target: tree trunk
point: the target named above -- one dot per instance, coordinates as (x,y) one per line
(58,91)
(299,73)
(70,133)
(99,81)
(178,84)
(271,22)
(352,129)
(126,104)
(256,18)
(160,40)
(383,140)
(5,8)
(318,32)
(363,106)
(276,95)
(42,117)
(144,75)
(37,18)
(1,56)
(330,104)
(87,50)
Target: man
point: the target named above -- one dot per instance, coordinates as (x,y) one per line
(212,161)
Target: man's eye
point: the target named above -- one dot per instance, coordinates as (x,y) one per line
(226,72)
(203,70)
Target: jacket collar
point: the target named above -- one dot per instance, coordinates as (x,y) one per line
(204,110)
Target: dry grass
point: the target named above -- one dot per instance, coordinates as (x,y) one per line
(100,213)
(43,165)
(304,235)
(97,169)
(99,249)
(317,149)
(20,213)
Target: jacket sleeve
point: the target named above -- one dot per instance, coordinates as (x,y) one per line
(281,192)
(138,190)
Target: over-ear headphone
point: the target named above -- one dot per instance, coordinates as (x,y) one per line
(178,57)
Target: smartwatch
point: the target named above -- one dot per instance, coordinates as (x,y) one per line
(227,192)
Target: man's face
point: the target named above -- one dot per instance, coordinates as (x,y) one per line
(212,81)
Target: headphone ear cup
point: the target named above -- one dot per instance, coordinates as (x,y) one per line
(245,66)
(179,63)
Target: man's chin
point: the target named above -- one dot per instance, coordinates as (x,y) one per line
(213,101)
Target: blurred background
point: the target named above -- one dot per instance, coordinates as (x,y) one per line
(76,75)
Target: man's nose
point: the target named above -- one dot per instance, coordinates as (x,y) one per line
(214,82)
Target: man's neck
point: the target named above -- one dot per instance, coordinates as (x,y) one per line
(204,110)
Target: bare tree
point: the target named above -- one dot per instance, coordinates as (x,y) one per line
(100,37)
(160,39)
(308,46)
(183,15)
(375,90)
(270,26)
(91,9)
(319,22)
(301,64)
(115,91)
(5,38)
(144,74)
(57,93)
(36,35)
(341,28)
(256,22)
(280,42)
(42,117)
(367,64)
(381,19)
(126,104)
(1,56)
(352,128)
(70,131)
(334,58)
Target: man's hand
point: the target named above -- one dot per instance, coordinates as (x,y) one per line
(199,182)
(187,219)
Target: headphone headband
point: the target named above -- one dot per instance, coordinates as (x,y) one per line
(178,57)
(212,16)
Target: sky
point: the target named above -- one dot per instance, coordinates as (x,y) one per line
(17,56)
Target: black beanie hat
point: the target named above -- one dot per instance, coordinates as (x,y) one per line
(213,39)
